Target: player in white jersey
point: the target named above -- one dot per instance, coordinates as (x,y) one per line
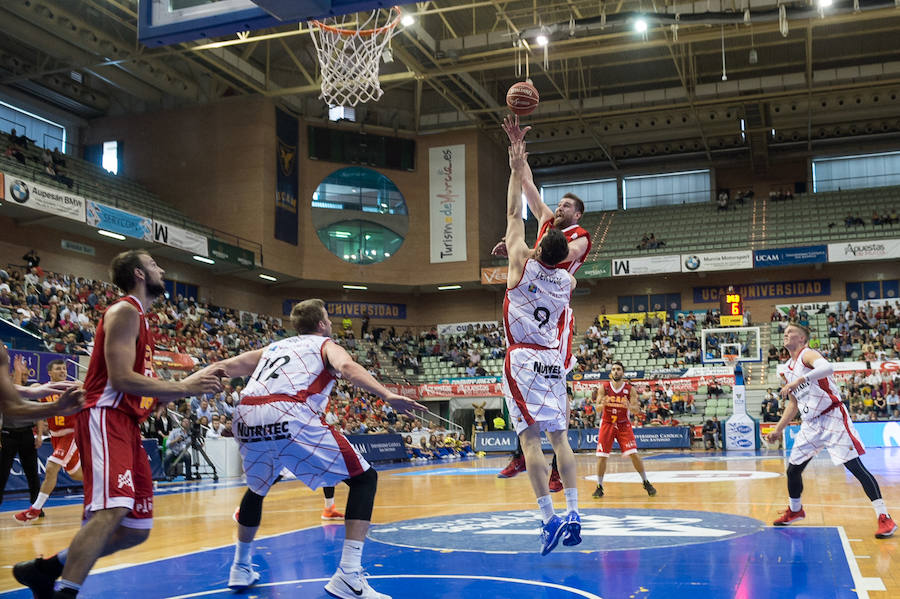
(811,391)
(534,310)
(278,425)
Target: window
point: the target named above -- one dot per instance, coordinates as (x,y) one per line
(45,133)
(596,195)
(855,172)
(666,189)
(360,215)
(111,156)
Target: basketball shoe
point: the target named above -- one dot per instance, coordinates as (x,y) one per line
(789,517)
(886,527)
(551,533)
(39,575)
(352,585)
(242,576)
(598,492)
(515,466)
(28,516)
(651,491)
(572,536)
(330,513)
(555,484)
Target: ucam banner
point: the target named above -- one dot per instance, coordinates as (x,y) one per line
(806,254)
(45,199)
(717,261)
(379,448)
(770,290)
(180,238)
(287,185)
(447,203)
(876,249)
(119,221)
(623,267)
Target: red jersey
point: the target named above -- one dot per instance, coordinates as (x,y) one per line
(615,407)
(59,426)
(97,389)
(571,232)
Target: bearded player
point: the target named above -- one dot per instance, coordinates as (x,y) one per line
(614,398)
(568,211)
(65,451)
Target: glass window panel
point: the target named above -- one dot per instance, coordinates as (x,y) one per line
(856,172)
(596,195)
(666,189)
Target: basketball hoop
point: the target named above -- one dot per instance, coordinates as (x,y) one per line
(730,360)
(349,52)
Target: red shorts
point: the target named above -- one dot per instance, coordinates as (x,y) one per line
(65,453)
(116,468)
(619,431)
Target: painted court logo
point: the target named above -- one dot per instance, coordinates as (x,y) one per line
(601,529)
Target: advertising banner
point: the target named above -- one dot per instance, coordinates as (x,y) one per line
(814,308)
(626,318)
(411,391)
(37,362)
(460,390)
(648,437)
(573,435)
(876,249)
(595,270)
(447,203)
(623,267)
(180,238)
(360,309)
(461,328)
(230,253)
(807,254)
(379,448)
(287,184)
(717,261)
(494,275)
(172,360)
(46,199)
(872,434)
(505,441)
(119,221)
(771,290)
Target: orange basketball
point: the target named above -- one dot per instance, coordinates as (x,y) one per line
(522,98)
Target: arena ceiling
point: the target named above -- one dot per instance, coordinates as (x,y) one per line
(611,98)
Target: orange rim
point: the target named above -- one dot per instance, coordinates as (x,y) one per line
(361,32)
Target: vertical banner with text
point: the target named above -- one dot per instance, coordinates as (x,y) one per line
(287,186)
(447,203)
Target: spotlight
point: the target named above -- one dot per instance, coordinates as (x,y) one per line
(407,20)
(825,3)
(542,40)
(640,25)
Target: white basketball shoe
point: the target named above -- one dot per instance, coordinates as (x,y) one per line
(242,576)
(352,585)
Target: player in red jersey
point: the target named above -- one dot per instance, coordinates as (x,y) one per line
(13,397)
(121,389)
(615,397)
(65,451)
(565,218)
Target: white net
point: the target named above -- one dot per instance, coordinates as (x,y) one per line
(349,51)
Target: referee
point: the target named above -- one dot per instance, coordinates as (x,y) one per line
(17,438)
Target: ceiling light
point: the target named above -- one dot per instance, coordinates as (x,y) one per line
(204,259)
(542,40)
(266,277)
(106,233)
(342,234)
(359,287)
(640,25)
(449,287)
(407,20)
(825,3)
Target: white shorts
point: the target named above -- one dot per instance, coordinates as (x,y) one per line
(275,434)
(833,431)
(534,386)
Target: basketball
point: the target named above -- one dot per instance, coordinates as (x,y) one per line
(522,98)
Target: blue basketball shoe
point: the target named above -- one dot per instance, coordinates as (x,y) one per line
(551,533)
(572,536)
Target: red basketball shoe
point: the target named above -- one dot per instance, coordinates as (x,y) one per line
(789,517)
(555,483)
(886,527)
(515,466)
(31,514)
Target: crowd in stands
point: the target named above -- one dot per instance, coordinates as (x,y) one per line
(18,148)
(780,195)
(650,242)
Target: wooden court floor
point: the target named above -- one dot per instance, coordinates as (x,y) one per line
(201,519)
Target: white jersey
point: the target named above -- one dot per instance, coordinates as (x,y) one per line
(293,367)
(534,311)
(812,398)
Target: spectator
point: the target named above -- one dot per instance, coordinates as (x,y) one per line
(178,446)
(710,435)
(722,201)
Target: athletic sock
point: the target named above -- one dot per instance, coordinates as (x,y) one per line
(546,505)
(571,499)
(796,505)
(351,556)
(644,477)
(329,503)
(879,506)
(66,586)
(243,552)
(40,501)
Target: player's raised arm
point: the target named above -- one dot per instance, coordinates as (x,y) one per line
(241,365)
(515,227)
(536,204)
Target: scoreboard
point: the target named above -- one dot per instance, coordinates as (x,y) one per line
(731,310)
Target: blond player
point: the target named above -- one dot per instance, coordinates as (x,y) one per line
(810,391)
